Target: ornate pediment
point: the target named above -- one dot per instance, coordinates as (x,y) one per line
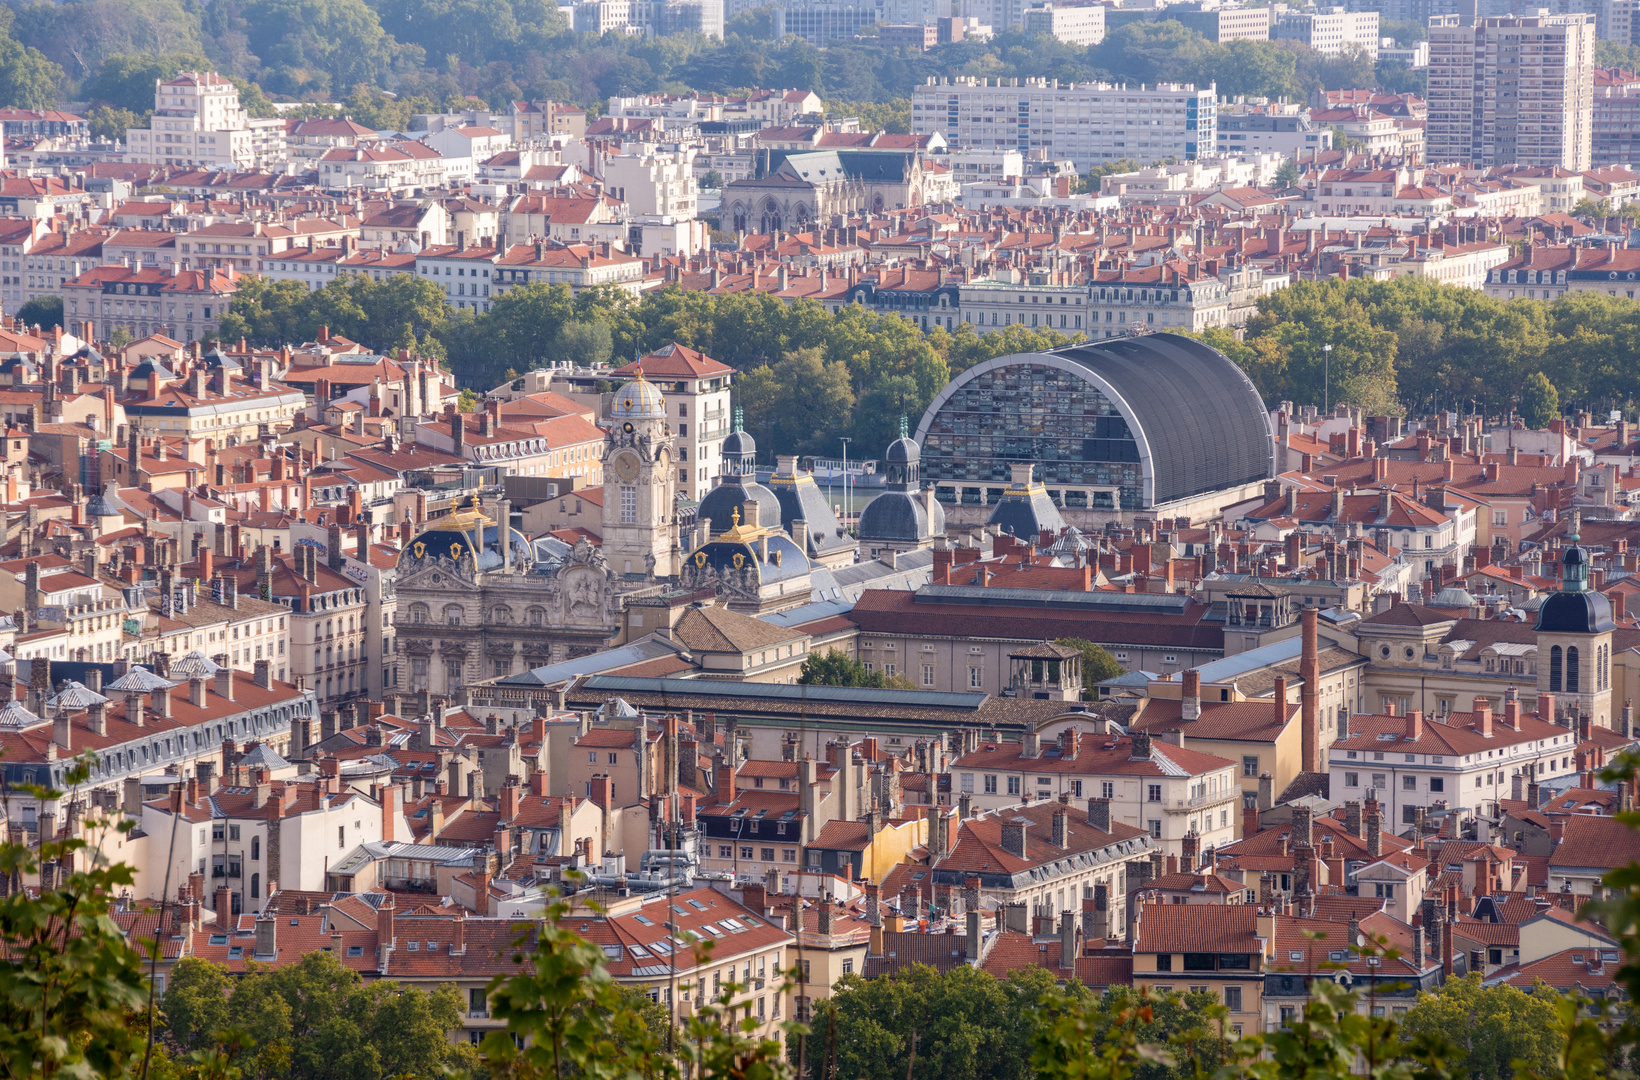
(416,646)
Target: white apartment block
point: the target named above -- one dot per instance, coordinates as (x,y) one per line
(1329,30)
(1076,25)
(977,166)
(1087,123)
(1511,90)
(198,121)
(998,14)
(658,182)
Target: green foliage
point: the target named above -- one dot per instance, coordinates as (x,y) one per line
(1614,54)
(467,401)
(43,311)
(1539,401)
(72,997)
(712,181)
(893,116)
(110,123)
(964,1025)
(127,82)
(587,344)
(1097,664)
(1287,173)
(81,37)
(565,1016)
(1410,343)
(840,669)
(312,1019)
(1590,207)
(1091,181)
(1499,1031)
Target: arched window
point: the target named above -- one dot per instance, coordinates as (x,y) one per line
(256,886)
(1554,669)
(538,616)
(1572,679)
(256,847)
(452,614)
(418,613)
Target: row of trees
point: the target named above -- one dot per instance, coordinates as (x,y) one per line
(807,377)
(1411,344)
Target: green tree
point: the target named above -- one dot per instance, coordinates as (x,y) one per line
(712,181)
(1590,207)
(110,124)
(72,996)
(43,311)
(28,80)
(800,404)
(1287,173)
(1097,664)
(127,82)
(839,669)
(587,344)
(927,1026)
(1539,401)
(1500,1031)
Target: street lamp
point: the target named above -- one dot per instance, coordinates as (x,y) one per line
(845,479)
(1326,380)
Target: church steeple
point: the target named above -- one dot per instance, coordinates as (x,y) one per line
(1574,564)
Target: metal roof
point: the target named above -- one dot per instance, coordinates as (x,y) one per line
(1204,421)
(1113,602)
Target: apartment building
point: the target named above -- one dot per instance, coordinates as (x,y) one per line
(1271,128)
(185,305)
(1463,759)
(1615,138)
(198,121)
(1329,30)
(696,390)
(1221,24)
(1167,791)
(658,182)
(1511,90)
(1074,24)
(463,272)
(1087,123)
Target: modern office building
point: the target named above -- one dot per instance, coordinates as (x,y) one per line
(1219,23)
(1088,123)
(1329,30)
(1511,90)
(1072,23)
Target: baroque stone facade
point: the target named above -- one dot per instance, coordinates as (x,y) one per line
(471,610)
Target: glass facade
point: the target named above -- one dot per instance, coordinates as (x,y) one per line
(1032,412)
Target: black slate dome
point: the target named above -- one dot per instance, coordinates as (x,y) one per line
(721,502)
(902,451)
(1576,608)
(1575,613)
(739,442)
(900,516)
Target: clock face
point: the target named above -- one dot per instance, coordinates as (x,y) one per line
(626,466)
(627,427)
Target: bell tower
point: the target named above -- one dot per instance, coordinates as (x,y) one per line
(1574,640)
(639,484)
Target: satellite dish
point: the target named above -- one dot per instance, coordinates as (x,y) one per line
(1361,940)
